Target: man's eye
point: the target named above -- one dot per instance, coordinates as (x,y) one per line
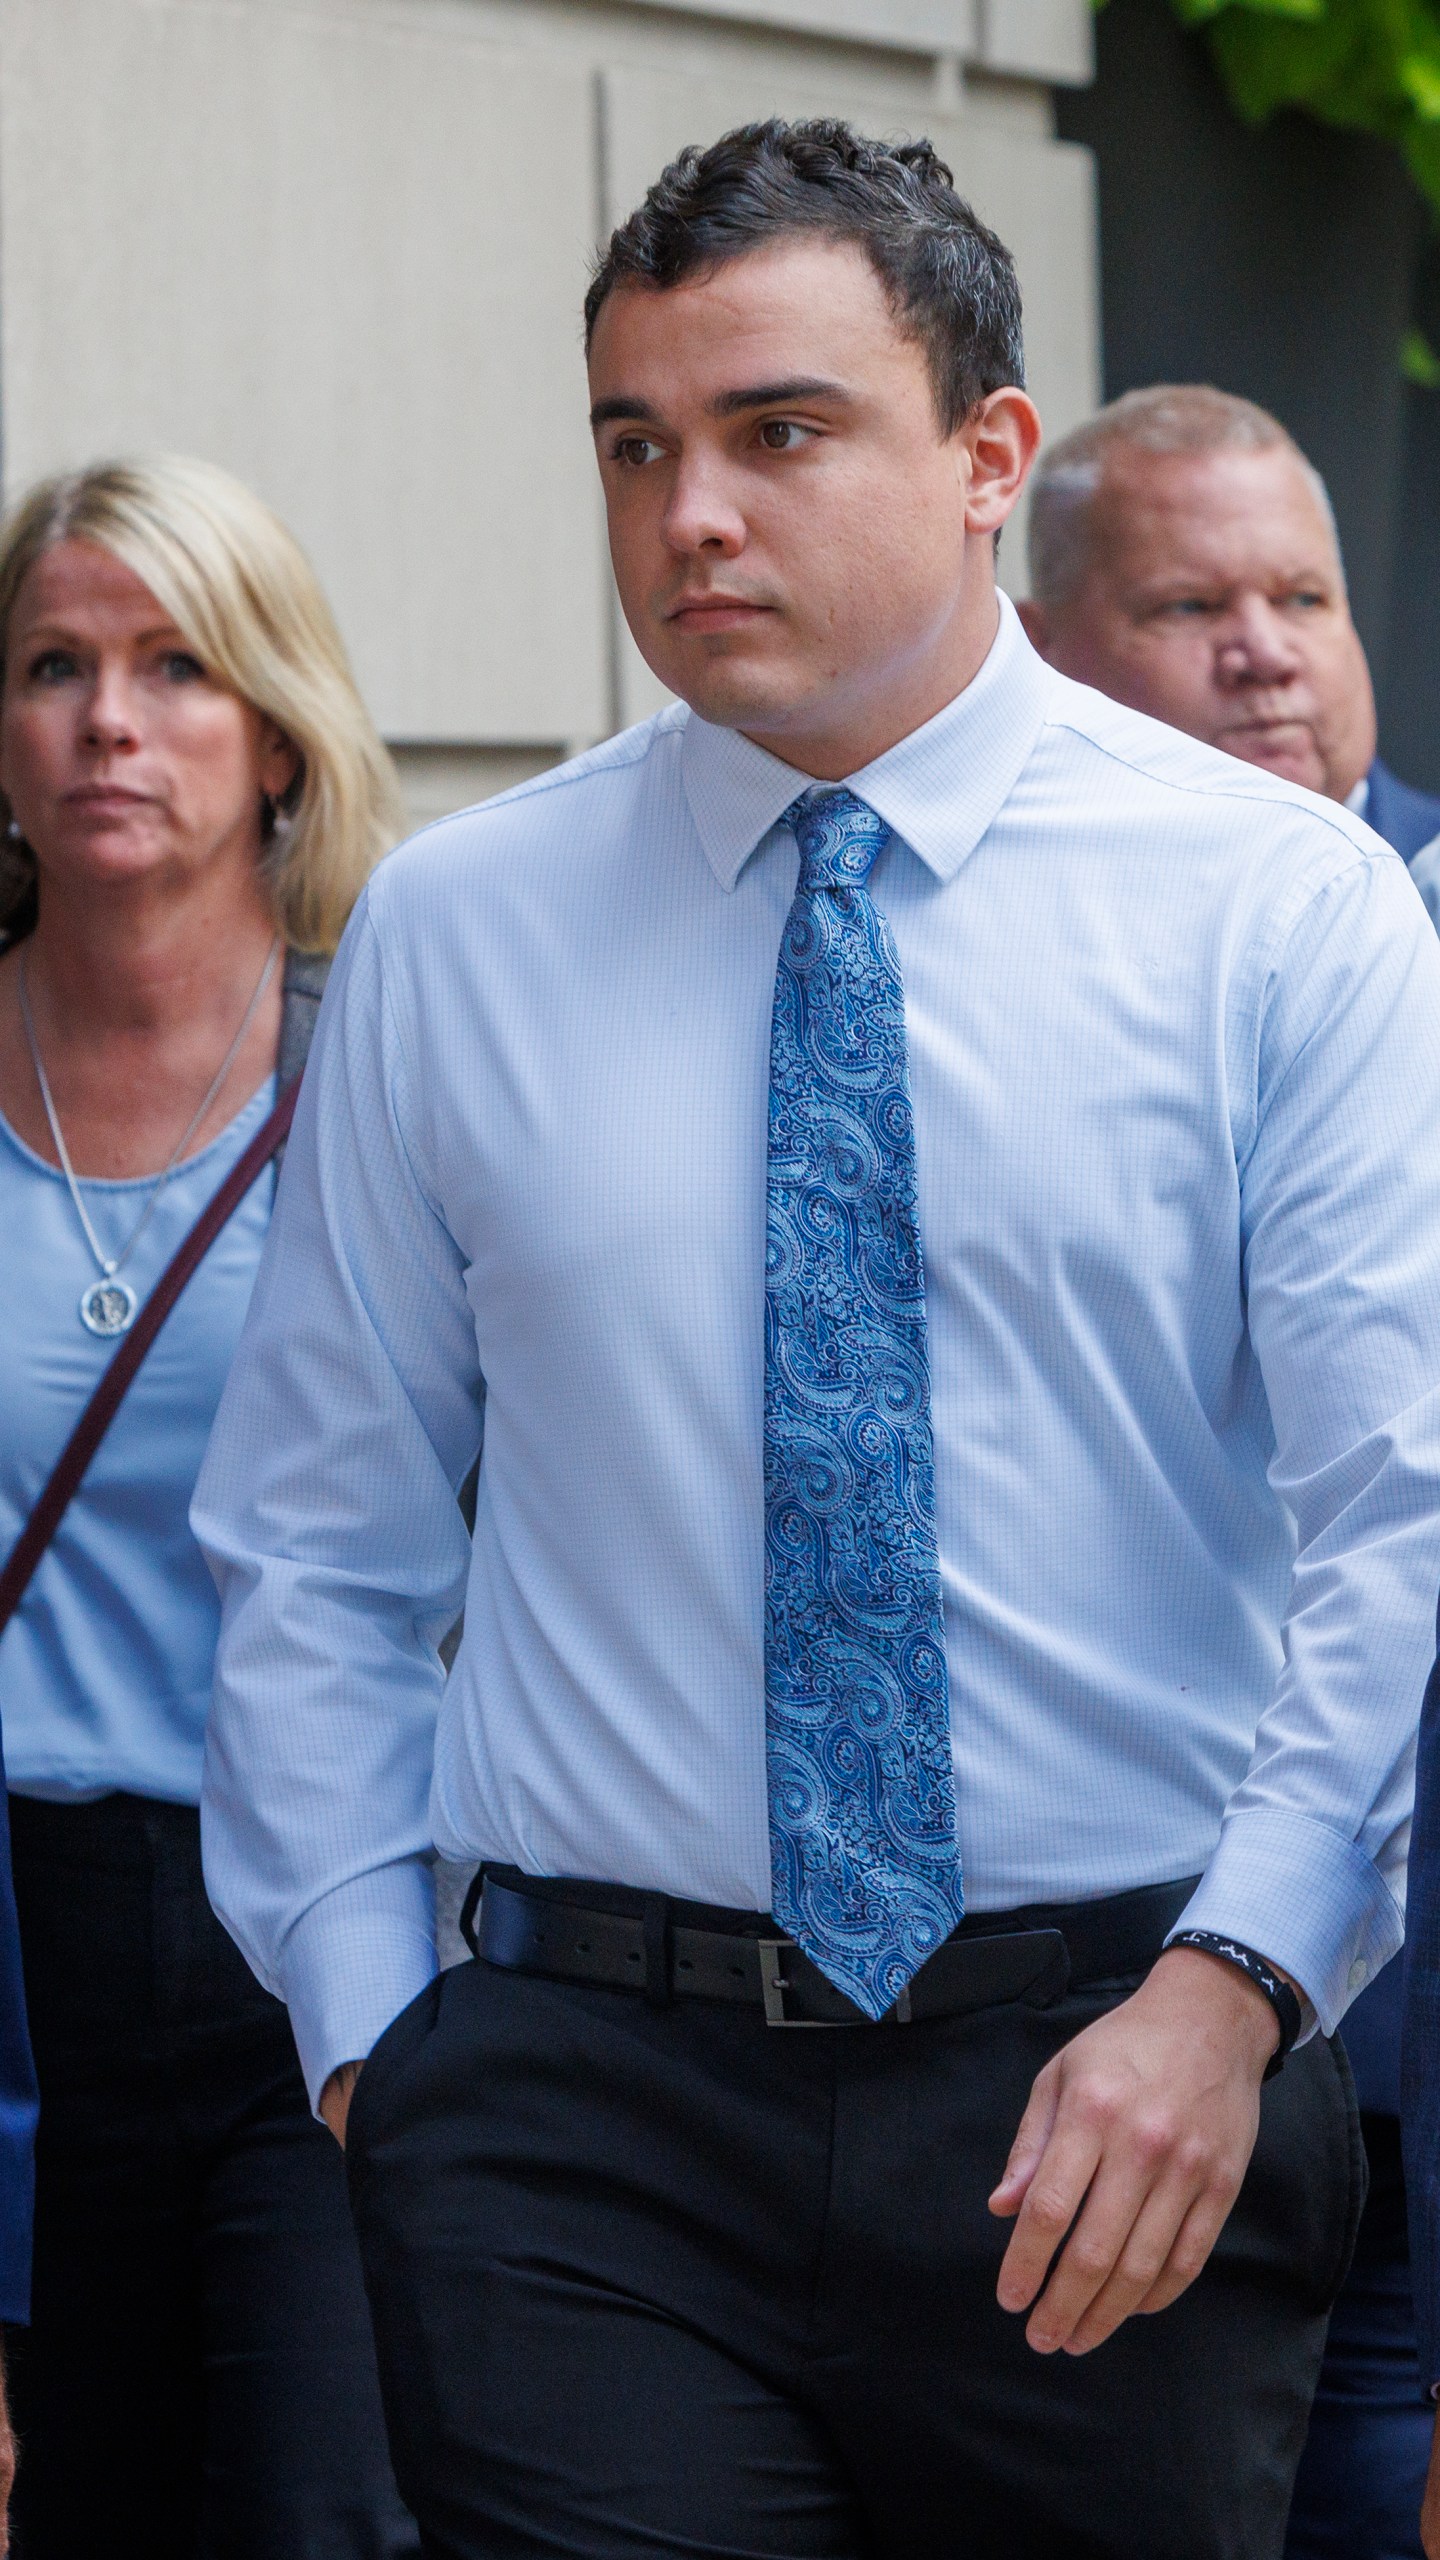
(1309,599)
(782,435)
(635,451)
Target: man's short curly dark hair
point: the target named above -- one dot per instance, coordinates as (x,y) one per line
(951,282)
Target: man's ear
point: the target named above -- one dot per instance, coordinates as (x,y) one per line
(1037,624)
(1000,438)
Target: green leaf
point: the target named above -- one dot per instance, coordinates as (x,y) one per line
(1418,361)
(1369,66)
(1420,80)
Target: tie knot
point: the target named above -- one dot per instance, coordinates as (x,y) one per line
(838,835)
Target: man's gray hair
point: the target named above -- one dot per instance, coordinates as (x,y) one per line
(1168,417)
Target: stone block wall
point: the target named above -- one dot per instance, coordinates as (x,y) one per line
(340,246)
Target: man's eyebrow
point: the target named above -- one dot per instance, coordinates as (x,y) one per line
(777,395)
(729,404)
(620,405)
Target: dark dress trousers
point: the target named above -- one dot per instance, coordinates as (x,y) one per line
(652,2280)
(1358,2493)
(197,2293)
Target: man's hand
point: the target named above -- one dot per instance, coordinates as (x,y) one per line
(1430,2511)
(7,2461)
(335,2100)
(1143,2128)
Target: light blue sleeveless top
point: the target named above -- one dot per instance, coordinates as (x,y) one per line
(105,1669)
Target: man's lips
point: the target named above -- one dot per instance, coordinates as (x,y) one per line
(712,613)
(1253,737)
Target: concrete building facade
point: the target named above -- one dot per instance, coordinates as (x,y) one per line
(340,246)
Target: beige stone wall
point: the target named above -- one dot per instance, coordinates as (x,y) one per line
(340,245)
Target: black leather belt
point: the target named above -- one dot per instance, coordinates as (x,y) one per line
(664,1950)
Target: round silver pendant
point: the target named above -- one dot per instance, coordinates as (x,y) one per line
(108,1307)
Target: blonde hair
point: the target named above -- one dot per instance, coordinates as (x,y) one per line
(234,579)
(1165,418)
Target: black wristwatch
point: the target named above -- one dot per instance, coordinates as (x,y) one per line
(1278,1992)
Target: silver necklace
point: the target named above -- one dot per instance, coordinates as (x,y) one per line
(109,1306)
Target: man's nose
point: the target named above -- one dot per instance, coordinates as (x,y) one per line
(703,514)
(1257,645)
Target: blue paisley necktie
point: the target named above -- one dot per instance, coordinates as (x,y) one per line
(864,1864)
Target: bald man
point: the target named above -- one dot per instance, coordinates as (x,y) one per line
(1184,560)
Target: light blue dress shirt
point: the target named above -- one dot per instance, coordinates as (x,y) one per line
(105,1668)
(1174,1036)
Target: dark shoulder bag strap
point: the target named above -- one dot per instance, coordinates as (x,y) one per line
(304,982)
(305,976)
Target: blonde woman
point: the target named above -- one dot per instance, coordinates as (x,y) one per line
(193,795)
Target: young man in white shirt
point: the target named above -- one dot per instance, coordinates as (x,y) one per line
(916,1255)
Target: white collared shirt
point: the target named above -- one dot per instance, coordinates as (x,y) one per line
(1174,1036)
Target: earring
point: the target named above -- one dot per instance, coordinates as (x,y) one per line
(15,832)
(277,819)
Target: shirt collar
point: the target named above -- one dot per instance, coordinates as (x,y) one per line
(1359,798)
(939,789)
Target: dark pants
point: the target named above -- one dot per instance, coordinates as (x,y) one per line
(199,2381)
(1362,2474)
(669,2281)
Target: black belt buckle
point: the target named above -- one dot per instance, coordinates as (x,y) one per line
(773,1984)
(979,1972)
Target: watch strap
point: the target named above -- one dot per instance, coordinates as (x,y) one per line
(1280,1994)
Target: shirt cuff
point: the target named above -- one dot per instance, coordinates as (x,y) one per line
(353,1962)
(1305,1898)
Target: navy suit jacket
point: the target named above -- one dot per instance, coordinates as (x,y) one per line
(1409,820)
(1406,818)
